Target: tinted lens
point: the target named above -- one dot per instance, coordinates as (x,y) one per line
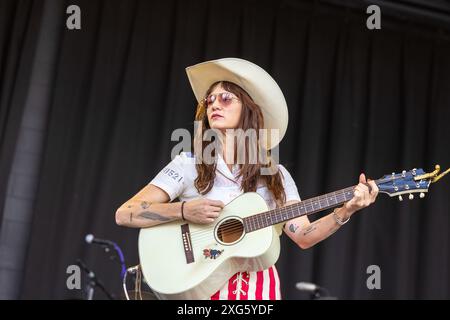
(210,99)
(226,98)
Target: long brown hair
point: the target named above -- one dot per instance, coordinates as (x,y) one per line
(251,118)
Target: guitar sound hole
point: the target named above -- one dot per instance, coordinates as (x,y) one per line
(230,231)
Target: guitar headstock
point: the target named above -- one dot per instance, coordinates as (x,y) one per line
(409,182)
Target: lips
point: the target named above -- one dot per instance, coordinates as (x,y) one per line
(215,116)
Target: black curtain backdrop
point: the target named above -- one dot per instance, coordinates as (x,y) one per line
(359,101)
(18,23)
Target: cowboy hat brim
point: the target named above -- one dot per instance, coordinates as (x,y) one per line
(261,87)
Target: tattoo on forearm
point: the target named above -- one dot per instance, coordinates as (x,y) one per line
(145,204)
(311,228)
(153,216)
(293,227)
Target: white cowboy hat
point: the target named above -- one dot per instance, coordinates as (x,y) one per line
(261,87)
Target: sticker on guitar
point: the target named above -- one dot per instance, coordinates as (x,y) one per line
(212,253)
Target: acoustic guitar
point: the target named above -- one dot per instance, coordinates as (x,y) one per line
(183,260)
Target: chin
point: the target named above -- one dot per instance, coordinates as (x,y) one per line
(216,125)
(220,126)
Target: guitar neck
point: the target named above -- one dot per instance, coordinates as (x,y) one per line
(306,207)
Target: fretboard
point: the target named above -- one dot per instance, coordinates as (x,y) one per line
(306,207)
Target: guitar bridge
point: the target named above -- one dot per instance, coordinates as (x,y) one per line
(187,243)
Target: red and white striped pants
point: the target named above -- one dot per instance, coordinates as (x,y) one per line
(259,285)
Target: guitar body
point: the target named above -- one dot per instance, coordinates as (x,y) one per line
(183,260)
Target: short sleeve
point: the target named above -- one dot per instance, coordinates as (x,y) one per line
(172,177)
(290,188)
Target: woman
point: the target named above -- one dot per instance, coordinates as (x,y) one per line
(235,94)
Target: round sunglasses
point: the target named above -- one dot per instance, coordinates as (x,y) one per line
(225,98)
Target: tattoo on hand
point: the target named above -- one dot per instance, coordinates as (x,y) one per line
(293,227)
(145,204)
(131,216)
(153,216)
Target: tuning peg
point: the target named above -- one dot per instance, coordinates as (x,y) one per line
(411,196)
(422,195)
(400,198)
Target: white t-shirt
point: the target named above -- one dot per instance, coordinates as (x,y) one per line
(177,179)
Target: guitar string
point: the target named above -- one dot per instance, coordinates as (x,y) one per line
(229,229)
(307,204)
(210,234)
(314,200)
(258,223)
(234,226)
(239,226)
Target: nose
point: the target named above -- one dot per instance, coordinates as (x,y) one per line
(216,105)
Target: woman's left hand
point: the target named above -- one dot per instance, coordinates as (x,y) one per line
(365,194)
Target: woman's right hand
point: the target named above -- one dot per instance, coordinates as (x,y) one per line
(202,211)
